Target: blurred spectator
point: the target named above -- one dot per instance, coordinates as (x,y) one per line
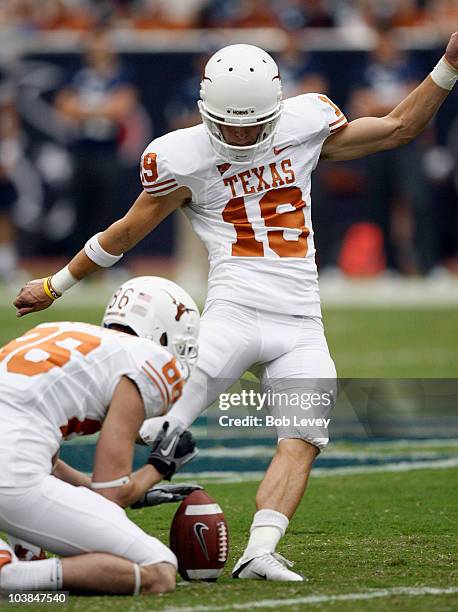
(151,14)
(398,193)
(388,76)
(300,70)
(441,165)
(60,15)
(255,14)
(297,14)
(181,110)
(108,130)
(394,13)
(29,15)
(9,155)
(450,225)
(96,102)
(178,14)
(443,15)
(219,14)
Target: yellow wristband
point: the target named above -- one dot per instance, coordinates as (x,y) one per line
(49,289)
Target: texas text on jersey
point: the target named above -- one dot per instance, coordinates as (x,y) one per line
(254,218)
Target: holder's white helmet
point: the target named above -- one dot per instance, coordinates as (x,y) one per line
(241,87)
(158,309)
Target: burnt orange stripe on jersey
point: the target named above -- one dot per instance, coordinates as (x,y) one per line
(150,190)
(5,557)
(161,379)
(151,377)
(339,127)
(343,118)
(153,186)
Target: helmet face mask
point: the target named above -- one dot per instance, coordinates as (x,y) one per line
(159,310)
(241,88)
(240,153)
(186,351)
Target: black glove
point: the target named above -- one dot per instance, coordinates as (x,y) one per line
(171,450)
(165,494)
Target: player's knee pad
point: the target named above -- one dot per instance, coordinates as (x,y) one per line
(319,442)
(300,409)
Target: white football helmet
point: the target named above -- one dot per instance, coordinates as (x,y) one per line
(241,86)
(158,309)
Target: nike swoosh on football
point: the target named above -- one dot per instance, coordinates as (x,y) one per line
(199,528)
(166,451)
(278,150)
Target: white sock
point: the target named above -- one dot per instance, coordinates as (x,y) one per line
(267,528)
(43,575)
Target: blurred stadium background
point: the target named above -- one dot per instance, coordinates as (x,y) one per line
(85,85)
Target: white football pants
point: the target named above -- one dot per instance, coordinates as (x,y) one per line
(289,354)
(68,521)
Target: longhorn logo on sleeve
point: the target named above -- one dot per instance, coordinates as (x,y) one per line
(199,528)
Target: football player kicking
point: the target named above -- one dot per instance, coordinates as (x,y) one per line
(64,379)
(243,179)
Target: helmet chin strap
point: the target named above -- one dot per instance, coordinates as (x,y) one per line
(240,154)
(261,137)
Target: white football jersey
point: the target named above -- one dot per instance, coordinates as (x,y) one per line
(57,381)
(254,218)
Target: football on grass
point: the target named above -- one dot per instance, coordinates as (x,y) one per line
(199,537)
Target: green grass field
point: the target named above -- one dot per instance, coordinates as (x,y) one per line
(351,534)
(383,343)
(360,533)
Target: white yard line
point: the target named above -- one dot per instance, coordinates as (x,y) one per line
(402,466)
(421,443)
(335,449)
(265,452)
(317,599)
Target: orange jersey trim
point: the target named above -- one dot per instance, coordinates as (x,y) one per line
(151,190)
(161,379)
(157,385)
(339,120)
(153,186)
(339,127)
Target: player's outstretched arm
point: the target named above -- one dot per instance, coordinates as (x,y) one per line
(102,250)
(371,134)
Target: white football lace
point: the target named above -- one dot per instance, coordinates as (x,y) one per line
(223,544)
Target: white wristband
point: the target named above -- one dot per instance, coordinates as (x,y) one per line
(63,280)
(444,75)
(119,482)
(137,580)
(98,255)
